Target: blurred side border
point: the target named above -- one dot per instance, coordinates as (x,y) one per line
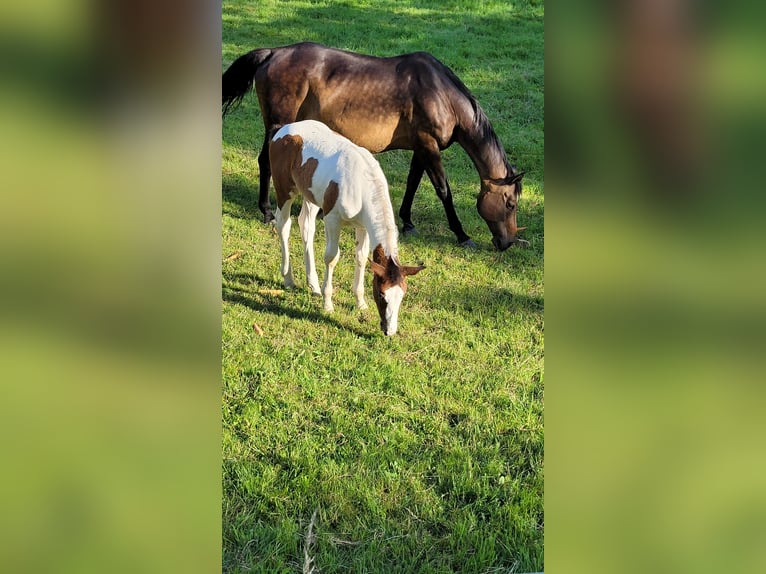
(110,291)
(655,311)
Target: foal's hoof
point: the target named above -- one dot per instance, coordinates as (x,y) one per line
(468,244)
(409,229)
(268,216)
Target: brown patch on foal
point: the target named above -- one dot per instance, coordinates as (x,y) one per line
(330,197)
(384,268)
(287,170)
(390,271)
(303,176)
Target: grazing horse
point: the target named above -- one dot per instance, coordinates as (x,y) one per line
(308,158)
(412,101)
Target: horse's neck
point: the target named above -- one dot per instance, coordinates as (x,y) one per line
(479,140)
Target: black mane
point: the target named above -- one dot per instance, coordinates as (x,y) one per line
(482,127)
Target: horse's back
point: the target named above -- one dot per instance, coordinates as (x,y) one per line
(378,103)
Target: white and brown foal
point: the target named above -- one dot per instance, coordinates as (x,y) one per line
(346,181)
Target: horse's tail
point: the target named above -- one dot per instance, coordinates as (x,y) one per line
(239,78)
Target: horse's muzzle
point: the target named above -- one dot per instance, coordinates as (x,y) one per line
(500,244)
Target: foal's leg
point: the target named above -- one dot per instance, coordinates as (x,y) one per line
(331,255)
(283,224)
(435,170)
(362,251)
(307,223)
(413,181)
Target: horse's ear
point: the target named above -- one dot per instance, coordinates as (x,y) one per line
(515,178)
(377,269)
(410,270)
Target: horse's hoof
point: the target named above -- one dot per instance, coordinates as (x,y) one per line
(409,229)
(268,216)
(468,244)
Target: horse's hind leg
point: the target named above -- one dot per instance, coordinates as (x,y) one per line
(413,181)
(307,224)
(362,252)
(265,175)
(435,170)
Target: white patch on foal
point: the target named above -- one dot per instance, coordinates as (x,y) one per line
(393,297)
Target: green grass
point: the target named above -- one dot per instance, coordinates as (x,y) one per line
(422,452)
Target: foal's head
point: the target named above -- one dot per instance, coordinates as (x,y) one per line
(389,284)
(497,204)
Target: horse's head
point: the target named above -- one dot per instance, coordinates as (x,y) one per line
(389,284)
(497,204)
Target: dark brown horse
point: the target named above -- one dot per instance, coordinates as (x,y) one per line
(410,102)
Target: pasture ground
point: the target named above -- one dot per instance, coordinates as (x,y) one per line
(421,453)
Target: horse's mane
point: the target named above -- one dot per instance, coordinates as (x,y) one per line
(482,127)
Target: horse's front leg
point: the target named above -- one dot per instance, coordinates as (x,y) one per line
(307,224)
(362,252)
(331,255)
(435,170)
(413,181)
(283,224)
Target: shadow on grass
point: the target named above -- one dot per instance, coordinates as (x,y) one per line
(490,300)
(249,296)
(242,193)
(432,233)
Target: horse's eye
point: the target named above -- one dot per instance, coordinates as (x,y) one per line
(509,205)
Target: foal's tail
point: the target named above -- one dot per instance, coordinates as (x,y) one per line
(239,78)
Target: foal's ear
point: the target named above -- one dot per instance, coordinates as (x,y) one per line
(377,268)
(409,270)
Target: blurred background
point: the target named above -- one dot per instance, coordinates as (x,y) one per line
(110,287)
(655,285)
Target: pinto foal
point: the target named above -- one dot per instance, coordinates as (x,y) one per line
(344,179)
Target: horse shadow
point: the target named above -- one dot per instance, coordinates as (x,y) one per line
(252,291)
(492,299)
(240,196)
(432,234)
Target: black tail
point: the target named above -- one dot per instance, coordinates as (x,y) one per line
(239,77)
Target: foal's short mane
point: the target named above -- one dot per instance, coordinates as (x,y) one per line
(383,211)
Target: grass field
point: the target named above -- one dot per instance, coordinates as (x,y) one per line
(422,452)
